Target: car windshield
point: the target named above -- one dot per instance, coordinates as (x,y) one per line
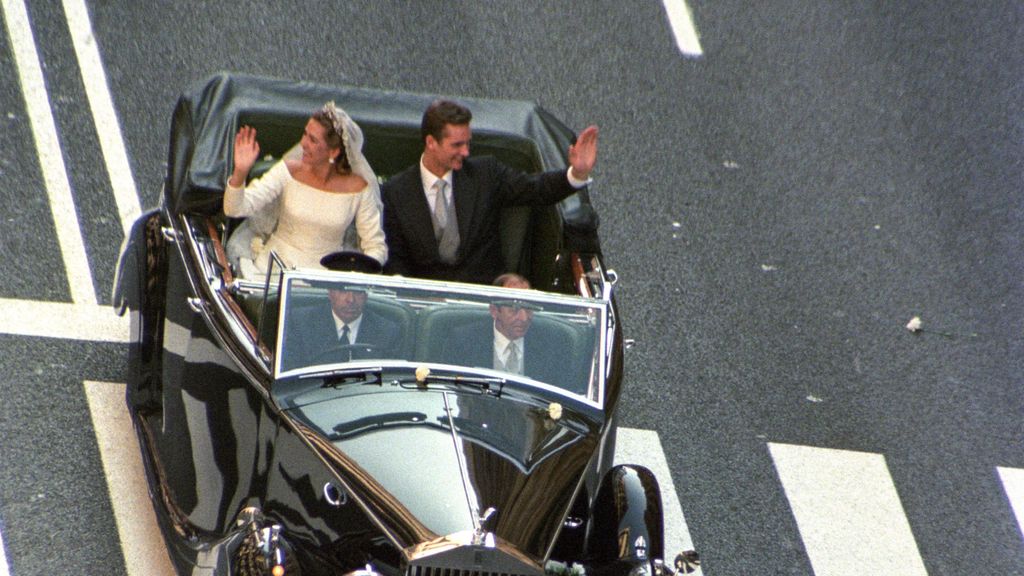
(331,321)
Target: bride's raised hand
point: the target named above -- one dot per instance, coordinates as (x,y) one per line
(247,150)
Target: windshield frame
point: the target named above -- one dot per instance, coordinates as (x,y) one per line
(291,282)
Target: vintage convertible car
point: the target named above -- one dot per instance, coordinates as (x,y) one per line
(268,454)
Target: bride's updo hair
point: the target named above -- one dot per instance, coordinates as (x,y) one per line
(334,139)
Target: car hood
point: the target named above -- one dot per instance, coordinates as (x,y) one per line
(443,457)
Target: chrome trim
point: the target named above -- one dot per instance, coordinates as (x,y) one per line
(335,496)
(467,485)
(481,536)
(170,234)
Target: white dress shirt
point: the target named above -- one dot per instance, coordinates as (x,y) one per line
(353,327)
(501,351)
(429,189)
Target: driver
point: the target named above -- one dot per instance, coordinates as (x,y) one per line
(342,327)
(355,324)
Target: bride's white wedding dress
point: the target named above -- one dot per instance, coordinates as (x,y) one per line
(311,223)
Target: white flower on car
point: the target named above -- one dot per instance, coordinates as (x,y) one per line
(554,410)
(421,373)
(556,568)
(915,324)
(256,245)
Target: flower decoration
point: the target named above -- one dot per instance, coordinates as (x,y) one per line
(554,410)
(256,245)
(555,568)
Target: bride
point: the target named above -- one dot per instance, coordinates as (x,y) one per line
(303,206)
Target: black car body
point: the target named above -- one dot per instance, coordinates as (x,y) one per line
(408,460)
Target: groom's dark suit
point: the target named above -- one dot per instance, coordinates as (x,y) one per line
(313,333)
(480,190)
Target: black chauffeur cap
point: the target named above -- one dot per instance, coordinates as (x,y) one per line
(348,261)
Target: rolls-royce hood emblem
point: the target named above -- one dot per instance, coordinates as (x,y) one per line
(481,535)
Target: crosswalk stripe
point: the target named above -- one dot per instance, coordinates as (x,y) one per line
(681,20)
(141,542)
(847,510)
(1013,484)
(4,569)
(108,129)
(51,159)
(93,323)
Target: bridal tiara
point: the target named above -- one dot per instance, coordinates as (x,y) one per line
(338,119)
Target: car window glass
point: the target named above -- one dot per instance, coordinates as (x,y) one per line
(556,339)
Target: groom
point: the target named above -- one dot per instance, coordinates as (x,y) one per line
(441,216)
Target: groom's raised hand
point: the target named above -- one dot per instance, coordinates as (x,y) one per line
(583,154)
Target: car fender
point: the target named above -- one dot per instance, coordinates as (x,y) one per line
(138,290)
(626,530)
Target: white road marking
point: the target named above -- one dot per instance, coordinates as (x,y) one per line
(108,129)
(141,541)
(4,570)
(643,447)
(848,512)
(93,323)
(681,20)
(51,161)
(1013,484)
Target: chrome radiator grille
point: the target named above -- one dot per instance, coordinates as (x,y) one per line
(438,571)
(473,561)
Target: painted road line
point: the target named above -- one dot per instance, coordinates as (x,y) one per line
(51,161)
(141,542)
(1013,484)
(108,129)
(92,323)
(643,447)
(4,569)
(680,18)
(848,512)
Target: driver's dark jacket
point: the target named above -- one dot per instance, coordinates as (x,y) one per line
(311,333)
(473,345)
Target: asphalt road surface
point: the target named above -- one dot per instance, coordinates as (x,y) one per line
(778,209)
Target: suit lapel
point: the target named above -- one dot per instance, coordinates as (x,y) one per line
(464,193)
(485,351)
(416,211)
(322,332)
(369,332)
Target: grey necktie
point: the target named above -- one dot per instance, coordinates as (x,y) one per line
(446,227)
(512,358)
(343,338)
